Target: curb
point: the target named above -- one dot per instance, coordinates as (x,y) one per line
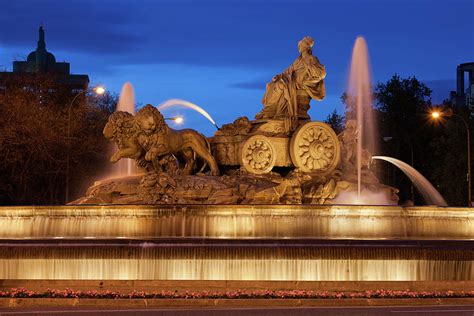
(227,303)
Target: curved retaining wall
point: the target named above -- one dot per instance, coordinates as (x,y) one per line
(200,242)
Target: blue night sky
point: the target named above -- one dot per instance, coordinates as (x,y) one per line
(220,54)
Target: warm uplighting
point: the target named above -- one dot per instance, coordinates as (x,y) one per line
(97,258)
(99,90)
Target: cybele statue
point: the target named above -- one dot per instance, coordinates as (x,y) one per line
(281,157)
(288,94)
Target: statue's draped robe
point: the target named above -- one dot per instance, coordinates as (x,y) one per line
(304,77)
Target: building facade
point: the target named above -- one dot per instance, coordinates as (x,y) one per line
(40,61)
(464,94)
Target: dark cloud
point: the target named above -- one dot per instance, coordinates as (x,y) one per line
(236,33)
(81,26)
(260,35)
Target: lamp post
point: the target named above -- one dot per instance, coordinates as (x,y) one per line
(98,90)
(436,115)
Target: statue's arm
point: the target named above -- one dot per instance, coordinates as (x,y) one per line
(316,70)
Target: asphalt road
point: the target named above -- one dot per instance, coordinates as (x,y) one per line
(465,310)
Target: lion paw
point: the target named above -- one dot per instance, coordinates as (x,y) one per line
(115,158)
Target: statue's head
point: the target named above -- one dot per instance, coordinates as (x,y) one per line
(119,124)
(150,120)
(305,44)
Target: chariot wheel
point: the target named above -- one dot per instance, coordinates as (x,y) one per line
(315,148)
(258,155)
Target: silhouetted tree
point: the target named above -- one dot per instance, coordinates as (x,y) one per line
(34,119)
(336,121)
(404,105)
(449,149)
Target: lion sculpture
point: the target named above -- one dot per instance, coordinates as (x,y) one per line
(159,140)
(122,130)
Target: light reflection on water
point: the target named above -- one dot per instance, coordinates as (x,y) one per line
(369,222)
(174,249)
(234,263)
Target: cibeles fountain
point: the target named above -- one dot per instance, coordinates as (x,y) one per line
(275,198)
(280,157)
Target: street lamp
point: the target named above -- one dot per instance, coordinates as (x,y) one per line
(436,115)
(177,119)
(99,90)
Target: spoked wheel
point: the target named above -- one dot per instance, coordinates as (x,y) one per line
(315,148)
(258,155)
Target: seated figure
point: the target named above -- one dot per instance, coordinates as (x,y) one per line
(288,95)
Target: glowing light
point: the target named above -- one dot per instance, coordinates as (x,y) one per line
(178,102)
(178,120)
(435,114)
(99,90)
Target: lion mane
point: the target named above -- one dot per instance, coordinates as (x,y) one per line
(123,126)
(149,110)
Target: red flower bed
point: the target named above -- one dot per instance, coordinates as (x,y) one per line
(238,294)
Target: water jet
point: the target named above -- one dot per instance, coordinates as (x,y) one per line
(183,103)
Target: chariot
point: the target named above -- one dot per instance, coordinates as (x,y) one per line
(260,145)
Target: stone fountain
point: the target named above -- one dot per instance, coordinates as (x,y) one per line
(280,157)
(257,202)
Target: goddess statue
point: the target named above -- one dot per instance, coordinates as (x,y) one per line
(288,95)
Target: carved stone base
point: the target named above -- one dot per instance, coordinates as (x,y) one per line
(236,187)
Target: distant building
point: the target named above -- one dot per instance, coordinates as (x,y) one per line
(464,96)
(42,61)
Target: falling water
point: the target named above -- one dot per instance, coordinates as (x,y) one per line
(126,103)
(236,242)
(430,194)
(359,95)
(237,222)
(187,104)
(99,261)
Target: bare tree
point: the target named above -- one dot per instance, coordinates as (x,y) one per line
(34,118)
